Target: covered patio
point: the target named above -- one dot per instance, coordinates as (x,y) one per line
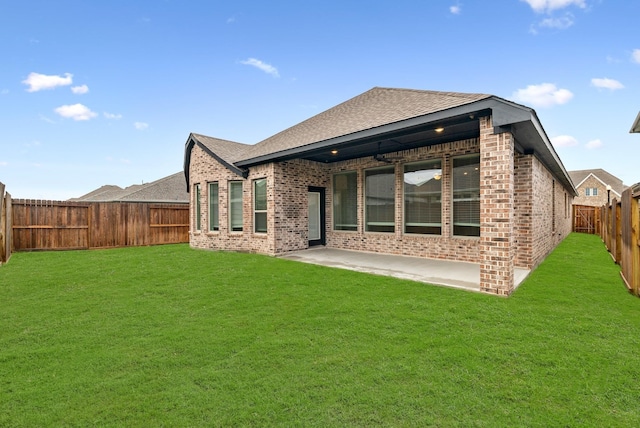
(462,275)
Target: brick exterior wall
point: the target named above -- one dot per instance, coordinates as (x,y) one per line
(551,212)
(523,209)
(497,235)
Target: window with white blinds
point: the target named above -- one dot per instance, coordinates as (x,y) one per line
(345,201)
(466,195)
(214,216)
(260,206)
(235,206)
(423,197)
(380,199)
(198,210)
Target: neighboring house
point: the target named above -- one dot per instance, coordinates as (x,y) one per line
(455,176)
(171,189)
(596,187)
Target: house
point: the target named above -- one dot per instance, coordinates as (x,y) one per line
(444,175)
(596,187)
(170,189)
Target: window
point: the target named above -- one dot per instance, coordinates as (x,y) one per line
(198,211)
(260,205)
(591,191)
(380,199)
(423,197)
(235,206)
(587,191)
(214,203)
(466,196)
(345,201)
(594,191)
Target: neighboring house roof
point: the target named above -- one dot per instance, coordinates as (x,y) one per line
(170,189)
(635,128)
(580,176)
(385,120)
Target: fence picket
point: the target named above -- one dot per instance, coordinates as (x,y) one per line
(55,225)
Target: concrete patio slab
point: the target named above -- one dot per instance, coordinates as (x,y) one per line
(462,275)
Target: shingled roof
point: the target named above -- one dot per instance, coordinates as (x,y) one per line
(385,120)
(605,177)
(366,111)
(167,190)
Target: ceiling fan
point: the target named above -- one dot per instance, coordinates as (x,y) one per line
(382,158)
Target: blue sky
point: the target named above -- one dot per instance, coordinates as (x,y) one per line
(107,92)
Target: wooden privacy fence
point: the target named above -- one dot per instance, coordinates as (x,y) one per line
(586,219)
(58,225)
(5,225)
(621,234)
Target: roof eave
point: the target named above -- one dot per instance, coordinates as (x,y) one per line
(505,114)
(635,128)
(193,141)
(466,109)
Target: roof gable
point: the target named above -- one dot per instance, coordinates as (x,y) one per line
(580,176)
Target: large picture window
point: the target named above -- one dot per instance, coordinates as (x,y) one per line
(214,212)
(260,205)
(466,196)
(235,206)
(345,201)
(423,197)
(198,208)
(380,199)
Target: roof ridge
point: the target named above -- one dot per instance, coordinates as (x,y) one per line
(430,91)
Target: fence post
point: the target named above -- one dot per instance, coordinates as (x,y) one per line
(635,247)
(3,228)
(6,226)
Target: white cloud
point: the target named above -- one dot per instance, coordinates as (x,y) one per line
(267,68)
(4,92)
(635,56)
(112,116)
(46,119)
(231,20)
(455,10)
(3,163)
(38,82)
(543,95)
(141,126)
(541,6)
(594,144)
(557,23)
(75,112)
(82,89)
(564,141)
(606,83)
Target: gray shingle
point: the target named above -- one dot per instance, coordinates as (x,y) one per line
(616,184)
(229,151)
(374,108)
(167,189)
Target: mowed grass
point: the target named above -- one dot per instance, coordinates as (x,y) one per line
(170,336)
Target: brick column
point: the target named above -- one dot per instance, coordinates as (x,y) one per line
(497,245)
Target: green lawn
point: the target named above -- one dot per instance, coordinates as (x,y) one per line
(169,336)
